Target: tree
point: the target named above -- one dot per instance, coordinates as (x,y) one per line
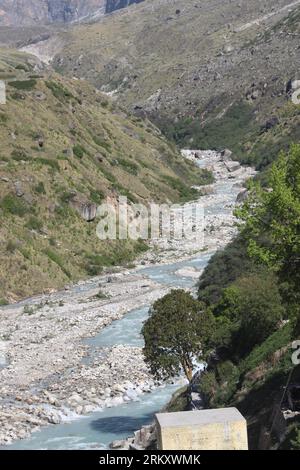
(248,312)
(270,222)
(176,333)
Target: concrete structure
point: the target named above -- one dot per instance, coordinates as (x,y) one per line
(219,429)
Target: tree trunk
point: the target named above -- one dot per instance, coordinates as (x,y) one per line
(188,370)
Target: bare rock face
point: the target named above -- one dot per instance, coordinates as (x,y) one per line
(86,209)
(30,12)
(112,5)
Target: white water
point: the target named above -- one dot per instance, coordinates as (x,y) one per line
(100,428)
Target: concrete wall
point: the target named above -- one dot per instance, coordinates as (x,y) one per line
(220,429)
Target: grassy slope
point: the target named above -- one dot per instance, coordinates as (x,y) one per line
(60,137)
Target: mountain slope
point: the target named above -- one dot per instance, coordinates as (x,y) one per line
(198,69)
(65,148)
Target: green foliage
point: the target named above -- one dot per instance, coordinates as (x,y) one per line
(223,269)
(34,224)
(11,204)
(218,133)
(47,162)
(20,155)
(11,246)
(3,302)
(25,85)
(128,166)
(59,91)
(185,192)
(40,188)
(177,331)
(96,196)
(264,352)
(79,151)
(102,143)
(271,222)
(296,441)
(251,309)
(208,386)
(55,257)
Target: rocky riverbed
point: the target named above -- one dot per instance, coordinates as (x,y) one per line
(47,372)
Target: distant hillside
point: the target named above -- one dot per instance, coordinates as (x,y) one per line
(65,148)
(210,73)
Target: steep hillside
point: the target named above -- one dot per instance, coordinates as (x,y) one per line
(65,148)
(213,73)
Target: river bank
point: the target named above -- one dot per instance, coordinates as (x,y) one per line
(51,374)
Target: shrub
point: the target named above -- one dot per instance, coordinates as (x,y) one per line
(34,224)
(59,91)
(185,192)
(102,143)
(23,84)
(19,155)
(11,246)
(128,166)
(40,188)
(11,204)
(79,151)
(96,196)
(55,257)
(48,162)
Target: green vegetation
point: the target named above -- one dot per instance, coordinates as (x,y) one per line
(59,91)
(56,258)
(48,162)
(11,204)
(25,85)
(217,134)
(186,193)
(34,224)
(129,166)
(175,334)
(79,151)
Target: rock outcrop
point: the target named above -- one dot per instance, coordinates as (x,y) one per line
(30,12)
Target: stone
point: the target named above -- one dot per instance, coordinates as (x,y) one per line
(226,154)
(215,429)
(232,166)
(86,209)
(18,189)
(40,96)
(242,196)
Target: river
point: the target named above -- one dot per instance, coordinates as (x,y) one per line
(98,429)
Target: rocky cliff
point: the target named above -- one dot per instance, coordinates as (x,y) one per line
(31,12)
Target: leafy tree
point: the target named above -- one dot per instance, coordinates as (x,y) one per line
(177,333)
(271,222)
(248,312)
(223,269)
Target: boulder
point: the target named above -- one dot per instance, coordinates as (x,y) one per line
(87,210)
(207,190)
(242,196)
(18,189)
(232,166)
(272,122)
(226,154)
